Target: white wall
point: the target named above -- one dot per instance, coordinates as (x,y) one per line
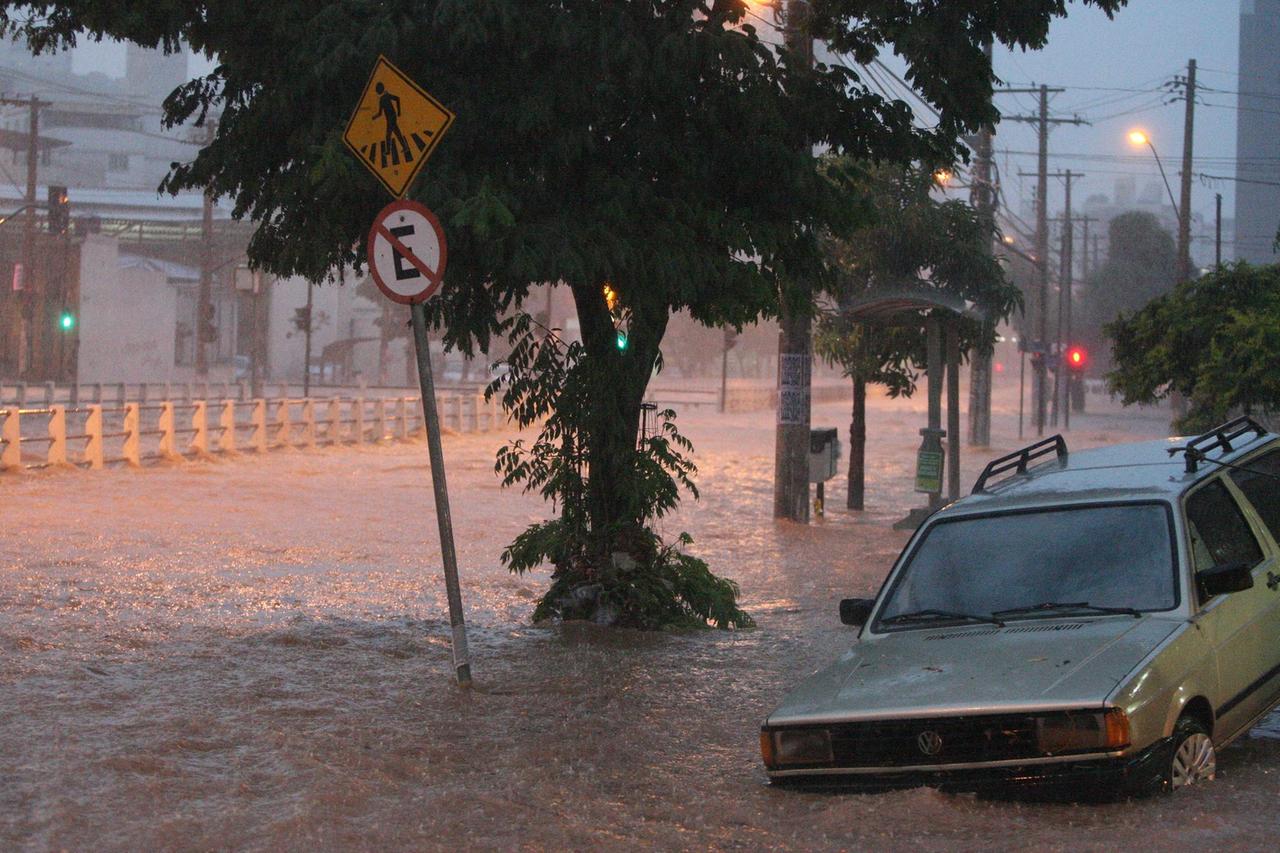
(126,318)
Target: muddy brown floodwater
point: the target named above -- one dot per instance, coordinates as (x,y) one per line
(254,654)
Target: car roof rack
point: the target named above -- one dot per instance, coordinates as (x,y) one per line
(1019,460)
(1220,437)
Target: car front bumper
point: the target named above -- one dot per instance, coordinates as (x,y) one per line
(1082,777)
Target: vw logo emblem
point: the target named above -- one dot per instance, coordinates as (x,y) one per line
(930,742)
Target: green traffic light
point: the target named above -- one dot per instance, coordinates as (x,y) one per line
(67,321)
(622,341)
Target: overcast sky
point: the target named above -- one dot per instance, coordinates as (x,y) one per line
(1146,44)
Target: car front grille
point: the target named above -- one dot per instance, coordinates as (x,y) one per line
(948,740)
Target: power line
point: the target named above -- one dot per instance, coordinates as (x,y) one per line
(1240,109)
(1203,176)
(1139,158)
(67,87)
(1263,95)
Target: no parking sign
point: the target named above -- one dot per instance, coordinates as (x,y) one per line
(407,255)
(407,252)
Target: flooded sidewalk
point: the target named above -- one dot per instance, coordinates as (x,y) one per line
(254,654)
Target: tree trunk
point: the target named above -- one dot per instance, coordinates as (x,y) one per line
(618,380)
(858,445)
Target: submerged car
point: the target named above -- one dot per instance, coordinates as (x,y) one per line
(1096,622)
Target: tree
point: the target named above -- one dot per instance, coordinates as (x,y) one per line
(917,242)
(657,145)
(1214,340)
(1141,264)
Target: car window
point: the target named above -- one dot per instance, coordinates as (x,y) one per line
(1263,491)
(1111,556)
(1224,535)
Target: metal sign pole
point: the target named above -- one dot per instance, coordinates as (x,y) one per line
(461,660)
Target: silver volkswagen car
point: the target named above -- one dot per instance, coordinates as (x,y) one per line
(1089,622)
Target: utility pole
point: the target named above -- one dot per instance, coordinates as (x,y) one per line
(204,299)
(1065,298)
(1075,395)
(795,351)
(1217,230)
(1043,122)
(1084,246)
(1184,209)
(306,349)
(982,198)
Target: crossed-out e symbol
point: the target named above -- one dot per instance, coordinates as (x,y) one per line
(403,273)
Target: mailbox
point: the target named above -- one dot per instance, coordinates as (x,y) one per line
(824,451)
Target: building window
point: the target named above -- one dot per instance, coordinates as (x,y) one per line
(117,162)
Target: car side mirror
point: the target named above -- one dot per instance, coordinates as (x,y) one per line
(856,611)
(1229,577)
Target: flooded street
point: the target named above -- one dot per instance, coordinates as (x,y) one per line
(254,654)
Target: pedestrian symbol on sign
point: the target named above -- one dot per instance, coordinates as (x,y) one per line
(395,127)
(389,108)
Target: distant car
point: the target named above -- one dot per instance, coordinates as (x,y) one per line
(1102,622)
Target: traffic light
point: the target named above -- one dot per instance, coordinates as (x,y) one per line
(1076,359)
(59,210)
(67,321)
(619,314)
(730,338)
(208,331)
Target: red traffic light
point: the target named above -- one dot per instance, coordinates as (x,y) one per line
(1076,358)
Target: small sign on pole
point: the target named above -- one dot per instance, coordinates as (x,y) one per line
(407,256)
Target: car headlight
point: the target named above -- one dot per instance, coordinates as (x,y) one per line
(795,746)
(1081,731)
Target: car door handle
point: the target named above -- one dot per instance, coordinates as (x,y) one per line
(1273,580)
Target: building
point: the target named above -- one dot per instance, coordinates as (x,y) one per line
(116,299)
(1258,132)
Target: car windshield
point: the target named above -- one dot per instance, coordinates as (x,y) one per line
(1046,562)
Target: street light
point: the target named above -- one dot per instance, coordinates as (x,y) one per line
(1138,138)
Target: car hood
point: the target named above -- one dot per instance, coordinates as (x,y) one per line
(1026,666)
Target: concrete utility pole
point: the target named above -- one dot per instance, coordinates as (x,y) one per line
(1043,122)
(982,198)
(1076,395)
(1066,296)
(306,347)
(1217,230)
(795,354)
(1065,281)
(1184,209)
(204,299)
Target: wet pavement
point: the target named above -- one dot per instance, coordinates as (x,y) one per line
(254,653)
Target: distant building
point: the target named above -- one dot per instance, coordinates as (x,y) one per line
(130,268)
(1258,132)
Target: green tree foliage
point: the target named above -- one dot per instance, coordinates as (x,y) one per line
(618,574)
(1215,340)
(914,242)
(659,145)
(1141,264)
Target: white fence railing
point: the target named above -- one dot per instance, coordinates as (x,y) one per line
(131,433)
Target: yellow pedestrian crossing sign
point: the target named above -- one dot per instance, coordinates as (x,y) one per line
(395,127)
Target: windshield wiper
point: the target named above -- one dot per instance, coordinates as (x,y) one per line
(1049,606)
(938,615)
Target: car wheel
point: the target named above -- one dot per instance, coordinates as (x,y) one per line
(1194,759)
